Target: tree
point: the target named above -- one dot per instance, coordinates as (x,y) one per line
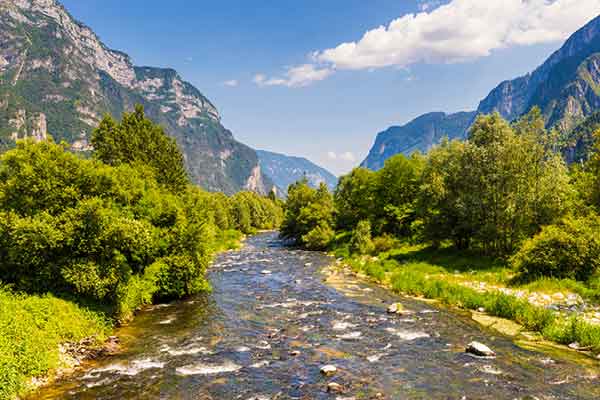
(355,198)
(498,188)
(137,140)
(361,242)
(308,216)
(396,192)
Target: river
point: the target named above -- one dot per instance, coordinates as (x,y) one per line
(272,321)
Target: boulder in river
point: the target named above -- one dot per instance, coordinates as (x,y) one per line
(479,349)
(328,369)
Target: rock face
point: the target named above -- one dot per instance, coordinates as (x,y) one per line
(419,134)
(566,86)
(284,170)
(57,76)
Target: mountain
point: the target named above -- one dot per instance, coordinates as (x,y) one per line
(417,135)
(566,86)
(57,76)
(284,170)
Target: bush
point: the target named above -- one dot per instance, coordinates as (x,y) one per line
(76,226)
(382,244)
(319,238)
(361,242)
(569,250)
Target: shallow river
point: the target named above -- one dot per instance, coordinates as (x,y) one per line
(272,322)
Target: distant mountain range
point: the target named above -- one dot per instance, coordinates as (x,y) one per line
(284,170)
(566,87)
(418,135)
(57,76)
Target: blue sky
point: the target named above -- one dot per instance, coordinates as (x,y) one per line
(266,64)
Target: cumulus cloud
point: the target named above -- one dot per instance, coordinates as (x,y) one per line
(345,156)
(446,31)
(298,76)
(461,30)
(231,83)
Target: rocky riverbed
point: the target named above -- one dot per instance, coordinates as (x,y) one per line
(277,327)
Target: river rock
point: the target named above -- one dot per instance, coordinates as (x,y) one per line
(479,349)
(328,369)
(333,387)
(396,308)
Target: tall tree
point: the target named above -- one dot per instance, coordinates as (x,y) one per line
(137,140)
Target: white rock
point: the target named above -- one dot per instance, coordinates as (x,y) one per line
(479,349)
(266,272)
(328,369)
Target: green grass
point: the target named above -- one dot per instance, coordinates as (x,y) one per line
(423,272)
(31,329)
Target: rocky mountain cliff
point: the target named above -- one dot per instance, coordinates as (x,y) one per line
(566,87)
(284,170)
(417,135)
(57,76)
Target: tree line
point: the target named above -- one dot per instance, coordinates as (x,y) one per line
(506,192)
(120,229)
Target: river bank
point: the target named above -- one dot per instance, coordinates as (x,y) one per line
(553,310)
(275,318)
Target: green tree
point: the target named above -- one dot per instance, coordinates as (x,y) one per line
(361,242)
(398,186)
(137,140)
(356,198)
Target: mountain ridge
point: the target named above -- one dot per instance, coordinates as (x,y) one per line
(284,170)
(57,75)
(566,87)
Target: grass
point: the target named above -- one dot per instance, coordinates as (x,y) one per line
(441,274)
(31,329)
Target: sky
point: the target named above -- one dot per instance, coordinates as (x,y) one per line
(320,78)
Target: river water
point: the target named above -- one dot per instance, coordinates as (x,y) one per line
(271,322)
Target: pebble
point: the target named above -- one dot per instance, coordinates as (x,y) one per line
(479,349)
(266,272)
(395,308)
(333,387)
(328,369)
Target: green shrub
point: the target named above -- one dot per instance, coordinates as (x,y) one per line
(319,237)
(569,250)
(361,242)
(385,243)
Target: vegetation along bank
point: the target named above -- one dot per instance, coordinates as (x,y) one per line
(85,242)
(498,223)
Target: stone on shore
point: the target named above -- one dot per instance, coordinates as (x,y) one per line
(479,349)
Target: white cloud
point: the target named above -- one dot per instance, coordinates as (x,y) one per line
(231,83)
(347,156)
(461,30)
(298,76)
(446,31)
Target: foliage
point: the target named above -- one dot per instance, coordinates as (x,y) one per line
(112,234)
(308,215)
(568,250)
(498,188)
(361,242)
(31,328)
(136,139)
